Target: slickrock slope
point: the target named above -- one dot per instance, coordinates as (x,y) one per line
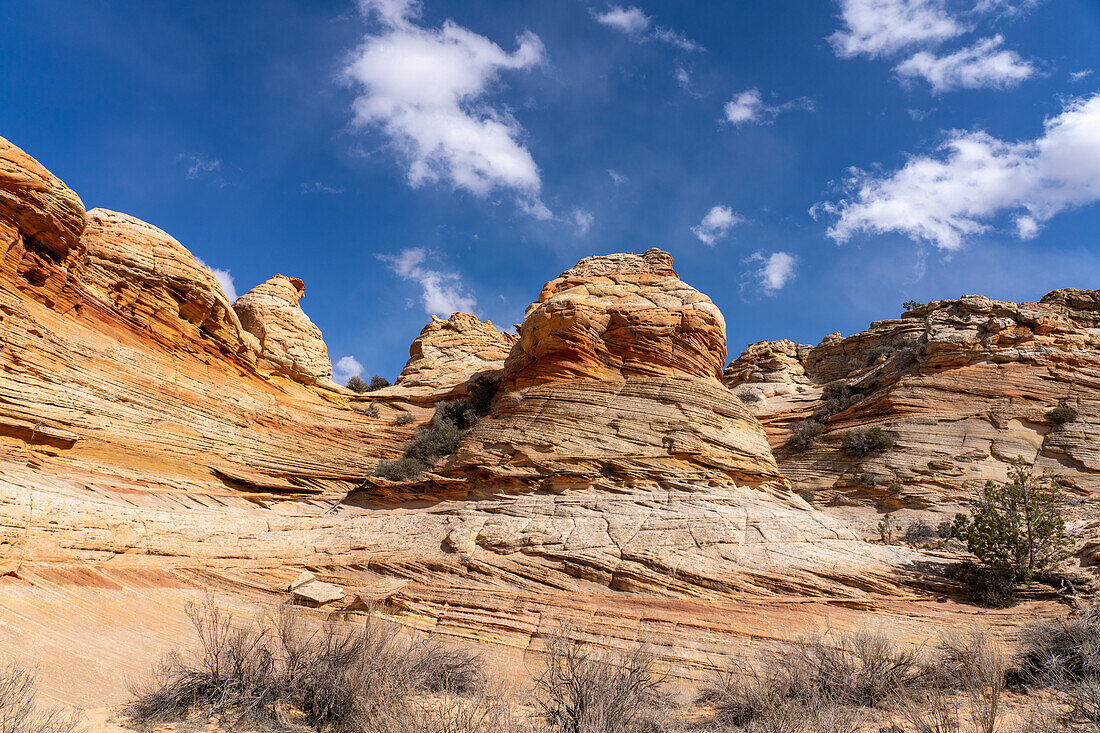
(289,342)
(150,449)
(448,353)
(962,385)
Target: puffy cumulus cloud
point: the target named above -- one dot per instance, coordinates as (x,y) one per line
(346,368)
(632,22)
(583,220)
(878,28)
(890,28)
(426,89)
(749,107)
(716,224)
(442,293)
(224,278)
(974,177)
(984,64)
(771,271)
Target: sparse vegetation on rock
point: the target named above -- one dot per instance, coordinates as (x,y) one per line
(804,434)
(441,438)
(1061,415)
(20,709)
(864,442)
(836,398)
(1016,527)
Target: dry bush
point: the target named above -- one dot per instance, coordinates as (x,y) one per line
(585,691)
(273,671)
(442,668)
(404,418)
(864,442)
(804,434)
(19,711)
(482,714)
(973,663)
(1063,651)
(816,684)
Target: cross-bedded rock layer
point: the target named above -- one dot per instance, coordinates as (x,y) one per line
(963,386)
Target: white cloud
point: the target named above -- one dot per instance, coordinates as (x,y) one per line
(683,78)
(442,293)
(582,220)
(749,106)
(640,27)
(618,178)
(346,368)
(426,90)
(1076,76)
(953,195)
(888,28)
(775,270)
(200,166)
(318,187)
(716,224)
(879,28)
(985,64)
(631,21)
(224,278)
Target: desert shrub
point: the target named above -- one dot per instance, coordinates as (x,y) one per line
(19,709)
(973,663)
(807,494)
(1016,528)
(823,673)
(919,531)
(404,418)
(887,529)
(1066,650)
(357,384)
(984,586)
(485,713)
(910,305)
(835,398)
(585,691)
(271,671)
(864,442)
(371,410)
(377,382)
(442,668)
(1062,415)
(401,469)
(804,434)
(449,425)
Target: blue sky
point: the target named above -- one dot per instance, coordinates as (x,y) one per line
(810,164)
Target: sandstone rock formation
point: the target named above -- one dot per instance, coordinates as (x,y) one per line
(614,381)
(146,456)
(962,385)
(447,353)
(149,276)
(290,343)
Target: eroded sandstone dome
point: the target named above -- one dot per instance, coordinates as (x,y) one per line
(615,379)
(290,343)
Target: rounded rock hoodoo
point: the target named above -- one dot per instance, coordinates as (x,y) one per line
(615,380)
(290,343)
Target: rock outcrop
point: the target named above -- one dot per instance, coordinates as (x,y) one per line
(963,386)
(289,342)
(448,353)
(614,381)
(146,456)
(149,276)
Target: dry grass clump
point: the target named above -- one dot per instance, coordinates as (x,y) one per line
(585,691)
(1064,657)
(19,709)
(816,684)
(973,664)
(279,672)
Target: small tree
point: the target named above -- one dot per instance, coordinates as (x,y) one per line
(357,384)
(910,305)
(1016,528)
(377,382)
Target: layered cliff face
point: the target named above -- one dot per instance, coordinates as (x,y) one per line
(448,353)
(962,386)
